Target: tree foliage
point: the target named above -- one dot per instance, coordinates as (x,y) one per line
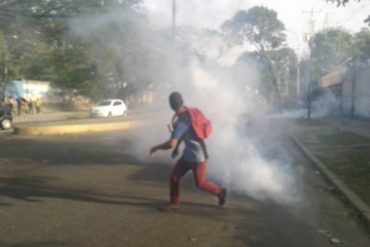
(330,50)
(4,52)
(362,45)
(125,50)
(341,2)
(344,2)
(283,61)
(260,27)
(39,46)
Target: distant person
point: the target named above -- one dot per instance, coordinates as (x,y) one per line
(24,105)
(194,156)
(19,105)
(38,104)
(10,102)
(31,105)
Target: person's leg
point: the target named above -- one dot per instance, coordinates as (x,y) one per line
(178,171)
(199,171)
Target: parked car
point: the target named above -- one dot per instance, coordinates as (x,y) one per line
(109,108)
(6,118)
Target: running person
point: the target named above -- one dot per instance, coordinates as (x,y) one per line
(193,157)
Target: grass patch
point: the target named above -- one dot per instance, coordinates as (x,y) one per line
(353,168)
(309,122)
(343,138)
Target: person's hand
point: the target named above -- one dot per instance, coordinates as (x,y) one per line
(153,150)
(175,152)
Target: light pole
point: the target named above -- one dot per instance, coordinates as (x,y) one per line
(5,85)
(353,89)
(173,21)
(298,70)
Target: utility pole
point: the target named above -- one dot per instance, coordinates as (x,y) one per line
(353,93)
(298,65)
(311,34)
(5,83)
(311,22)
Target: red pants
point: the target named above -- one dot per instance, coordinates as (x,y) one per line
(199,171)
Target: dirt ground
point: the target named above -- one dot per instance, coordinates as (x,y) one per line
(90,190)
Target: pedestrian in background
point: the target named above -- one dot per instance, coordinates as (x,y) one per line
(31,108)
(38,104)
(10,102)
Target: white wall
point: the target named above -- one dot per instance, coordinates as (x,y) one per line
(362,93)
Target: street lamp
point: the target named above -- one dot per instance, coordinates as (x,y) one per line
(173,21)
(298,71)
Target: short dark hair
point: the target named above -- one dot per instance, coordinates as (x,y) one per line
(176,100)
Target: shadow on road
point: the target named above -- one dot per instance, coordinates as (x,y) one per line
(34,188)
(64,151)
(36,244)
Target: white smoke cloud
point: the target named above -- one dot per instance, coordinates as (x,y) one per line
(235,160)
(324,105)
(226,96)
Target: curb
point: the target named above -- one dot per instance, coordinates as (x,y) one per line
(60,129)
(350,196)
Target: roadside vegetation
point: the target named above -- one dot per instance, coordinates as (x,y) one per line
(346,154)
(37,42)
(352,166)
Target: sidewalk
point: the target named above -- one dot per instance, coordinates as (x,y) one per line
(47,117)
(80,122)
(344,137)
(339,148)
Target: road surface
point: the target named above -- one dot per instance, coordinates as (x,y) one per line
(96,190)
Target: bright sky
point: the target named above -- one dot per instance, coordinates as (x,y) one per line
(294,14)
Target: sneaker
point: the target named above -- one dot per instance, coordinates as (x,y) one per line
(168,207)
(222,197)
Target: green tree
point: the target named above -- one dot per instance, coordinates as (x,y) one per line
(260,27)
(36,32)
(4,55)
(127,51)
(362,45)
(285,63)
(330,50)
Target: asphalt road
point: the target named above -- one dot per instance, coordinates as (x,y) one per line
(94,190)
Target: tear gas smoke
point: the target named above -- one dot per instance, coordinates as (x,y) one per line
(324,105)
(222,93)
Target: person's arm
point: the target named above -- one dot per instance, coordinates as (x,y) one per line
(179,131)
(170,144)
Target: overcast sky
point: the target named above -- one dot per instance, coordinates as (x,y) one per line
(294,14)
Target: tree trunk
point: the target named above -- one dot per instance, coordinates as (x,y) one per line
(274,76)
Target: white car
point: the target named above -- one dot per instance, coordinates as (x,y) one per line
(109,108)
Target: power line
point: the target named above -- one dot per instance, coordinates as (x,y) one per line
(353,15)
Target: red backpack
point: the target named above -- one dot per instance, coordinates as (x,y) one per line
(201,127)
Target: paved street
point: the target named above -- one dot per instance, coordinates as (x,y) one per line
(94,190)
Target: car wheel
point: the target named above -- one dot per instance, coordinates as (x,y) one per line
(6,124)
(110,114)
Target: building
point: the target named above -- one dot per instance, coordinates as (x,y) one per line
(27,89)
(356,92)
(352,87)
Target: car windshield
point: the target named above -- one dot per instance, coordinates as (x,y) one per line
(103,103)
